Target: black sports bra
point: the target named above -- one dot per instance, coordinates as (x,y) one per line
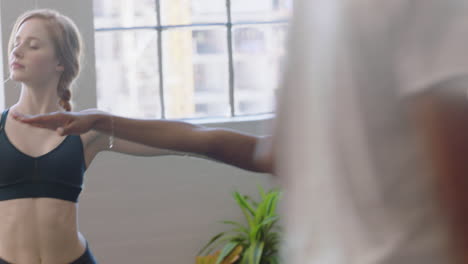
(56,174)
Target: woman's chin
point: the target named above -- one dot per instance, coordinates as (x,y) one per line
(17,78)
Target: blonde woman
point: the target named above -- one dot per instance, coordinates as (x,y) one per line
(42,171)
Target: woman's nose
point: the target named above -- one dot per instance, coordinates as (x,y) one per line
(17,53)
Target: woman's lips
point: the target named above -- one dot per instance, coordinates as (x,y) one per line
(16,65)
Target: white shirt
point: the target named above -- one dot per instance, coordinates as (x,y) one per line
(359,189)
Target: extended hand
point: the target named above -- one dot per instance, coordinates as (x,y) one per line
(65,123)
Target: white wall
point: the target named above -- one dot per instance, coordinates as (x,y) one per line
(143,210)
(160,210)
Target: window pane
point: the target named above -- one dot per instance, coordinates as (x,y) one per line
(177,12)
(196,72)
(260,10)
(258,66)
(127,73)
(124,13)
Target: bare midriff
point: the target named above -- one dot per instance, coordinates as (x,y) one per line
(39,230)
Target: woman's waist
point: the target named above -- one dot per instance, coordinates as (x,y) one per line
(31,233)
(38,211)
(31,244)
(30,221)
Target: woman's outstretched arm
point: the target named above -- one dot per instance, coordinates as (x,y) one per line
(228,146)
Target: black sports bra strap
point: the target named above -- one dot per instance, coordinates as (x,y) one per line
(3,120)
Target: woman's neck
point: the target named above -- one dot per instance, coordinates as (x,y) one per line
(37,100)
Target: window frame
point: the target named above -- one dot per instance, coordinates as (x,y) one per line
(229,25)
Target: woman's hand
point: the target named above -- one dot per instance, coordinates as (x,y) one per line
(65,123)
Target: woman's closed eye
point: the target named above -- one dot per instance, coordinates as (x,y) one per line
(33,44)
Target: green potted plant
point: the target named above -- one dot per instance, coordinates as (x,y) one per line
(255,243)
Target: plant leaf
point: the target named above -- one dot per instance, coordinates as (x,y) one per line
(273,203)
(272,259)
(212,240)
(269,220)
(253,254)
(241,240)
(242,201)
(267,206)
(210,259)
(245,207)
(260,213)
(227,249)
(261,191)
(235,255)
(251,200)
(254,243)
(240,226)
(257,253)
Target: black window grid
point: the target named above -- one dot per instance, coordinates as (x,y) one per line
(159,28)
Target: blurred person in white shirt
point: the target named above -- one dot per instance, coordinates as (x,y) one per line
(372,132)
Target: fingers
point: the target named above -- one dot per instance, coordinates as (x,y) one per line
(50,121)
(61,131)
(19,116)
(62,123)
(46,120)
(27,118)
(66,130)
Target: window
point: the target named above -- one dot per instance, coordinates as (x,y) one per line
(189,58)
